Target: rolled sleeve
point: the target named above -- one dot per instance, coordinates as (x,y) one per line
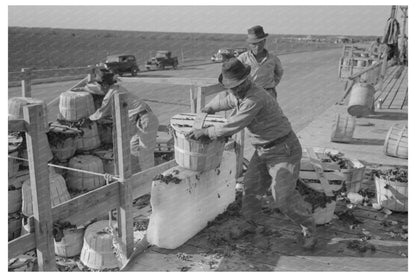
(221,102)
(245,115)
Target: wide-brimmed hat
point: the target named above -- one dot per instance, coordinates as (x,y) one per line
(233,73)
(256,34)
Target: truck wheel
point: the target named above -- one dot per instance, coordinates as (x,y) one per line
(175,66)
(134,72)
(161,66)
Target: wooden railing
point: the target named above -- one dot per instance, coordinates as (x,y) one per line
(116,195)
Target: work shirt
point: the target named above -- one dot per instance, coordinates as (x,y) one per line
(257,111)
(266,74)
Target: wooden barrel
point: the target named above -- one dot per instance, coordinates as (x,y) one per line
(71,243)
(80,181)
(90,139)
(16,105)
(392,195)
(75,105)
(396,141)
(361,99)
(196,155)
(58,190)
(63,142)
(343,128)
(97,250)
(15,226)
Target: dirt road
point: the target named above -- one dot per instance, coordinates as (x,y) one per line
(309,87)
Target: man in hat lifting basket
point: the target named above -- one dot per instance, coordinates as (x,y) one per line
(266,68)
(143,122)
(276,161)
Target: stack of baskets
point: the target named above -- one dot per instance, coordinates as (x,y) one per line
(18,169)
(196,155)
(74,138)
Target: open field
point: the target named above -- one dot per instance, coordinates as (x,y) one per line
(47,48)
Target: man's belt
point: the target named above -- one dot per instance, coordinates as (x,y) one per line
(274,142)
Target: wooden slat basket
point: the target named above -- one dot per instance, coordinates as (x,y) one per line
(353,174)
(58,190)
(16,105)
(79,181)
(392,195)
(97,251)
(62,141)
(196,155)
(71,243)
(75,105)
(396,142)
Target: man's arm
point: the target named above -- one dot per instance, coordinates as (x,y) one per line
(242,119)
(278,71)
(221,102)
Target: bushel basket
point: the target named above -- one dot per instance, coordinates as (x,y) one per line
(196,155)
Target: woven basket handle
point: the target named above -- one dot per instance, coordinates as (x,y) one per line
(199,120)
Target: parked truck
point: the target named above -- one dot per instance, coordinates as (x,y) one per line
(161,60)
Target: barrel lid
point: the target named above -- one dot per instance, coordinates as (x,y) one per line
(184,122)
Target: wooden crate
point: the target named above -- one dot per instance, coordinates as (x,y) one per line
(353,175)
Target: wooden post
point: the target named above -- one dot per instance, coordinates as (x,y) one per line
(91,73)
(123,168)
(192,98)
(26,82)
(39,182)
(200,99)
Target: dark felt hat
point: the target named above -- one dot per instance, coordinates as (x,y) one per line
(256,34)
(233,73)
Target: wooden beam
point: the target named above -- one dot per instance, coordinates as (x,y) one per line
(87,206)
(123,168)
(39,182)
(17,125)
(141,181)
(26,82)
(21,245)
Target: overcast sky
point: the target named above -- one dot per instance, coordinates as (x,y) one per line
(321,20)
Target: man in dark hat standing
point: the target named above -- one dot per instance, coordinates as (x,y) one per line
(266,68)
(276,161)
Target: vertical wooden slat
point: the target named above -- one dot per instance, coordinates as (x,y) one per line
(39,180)
(27,82)
(200,99)
(123,167)
(192,98)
